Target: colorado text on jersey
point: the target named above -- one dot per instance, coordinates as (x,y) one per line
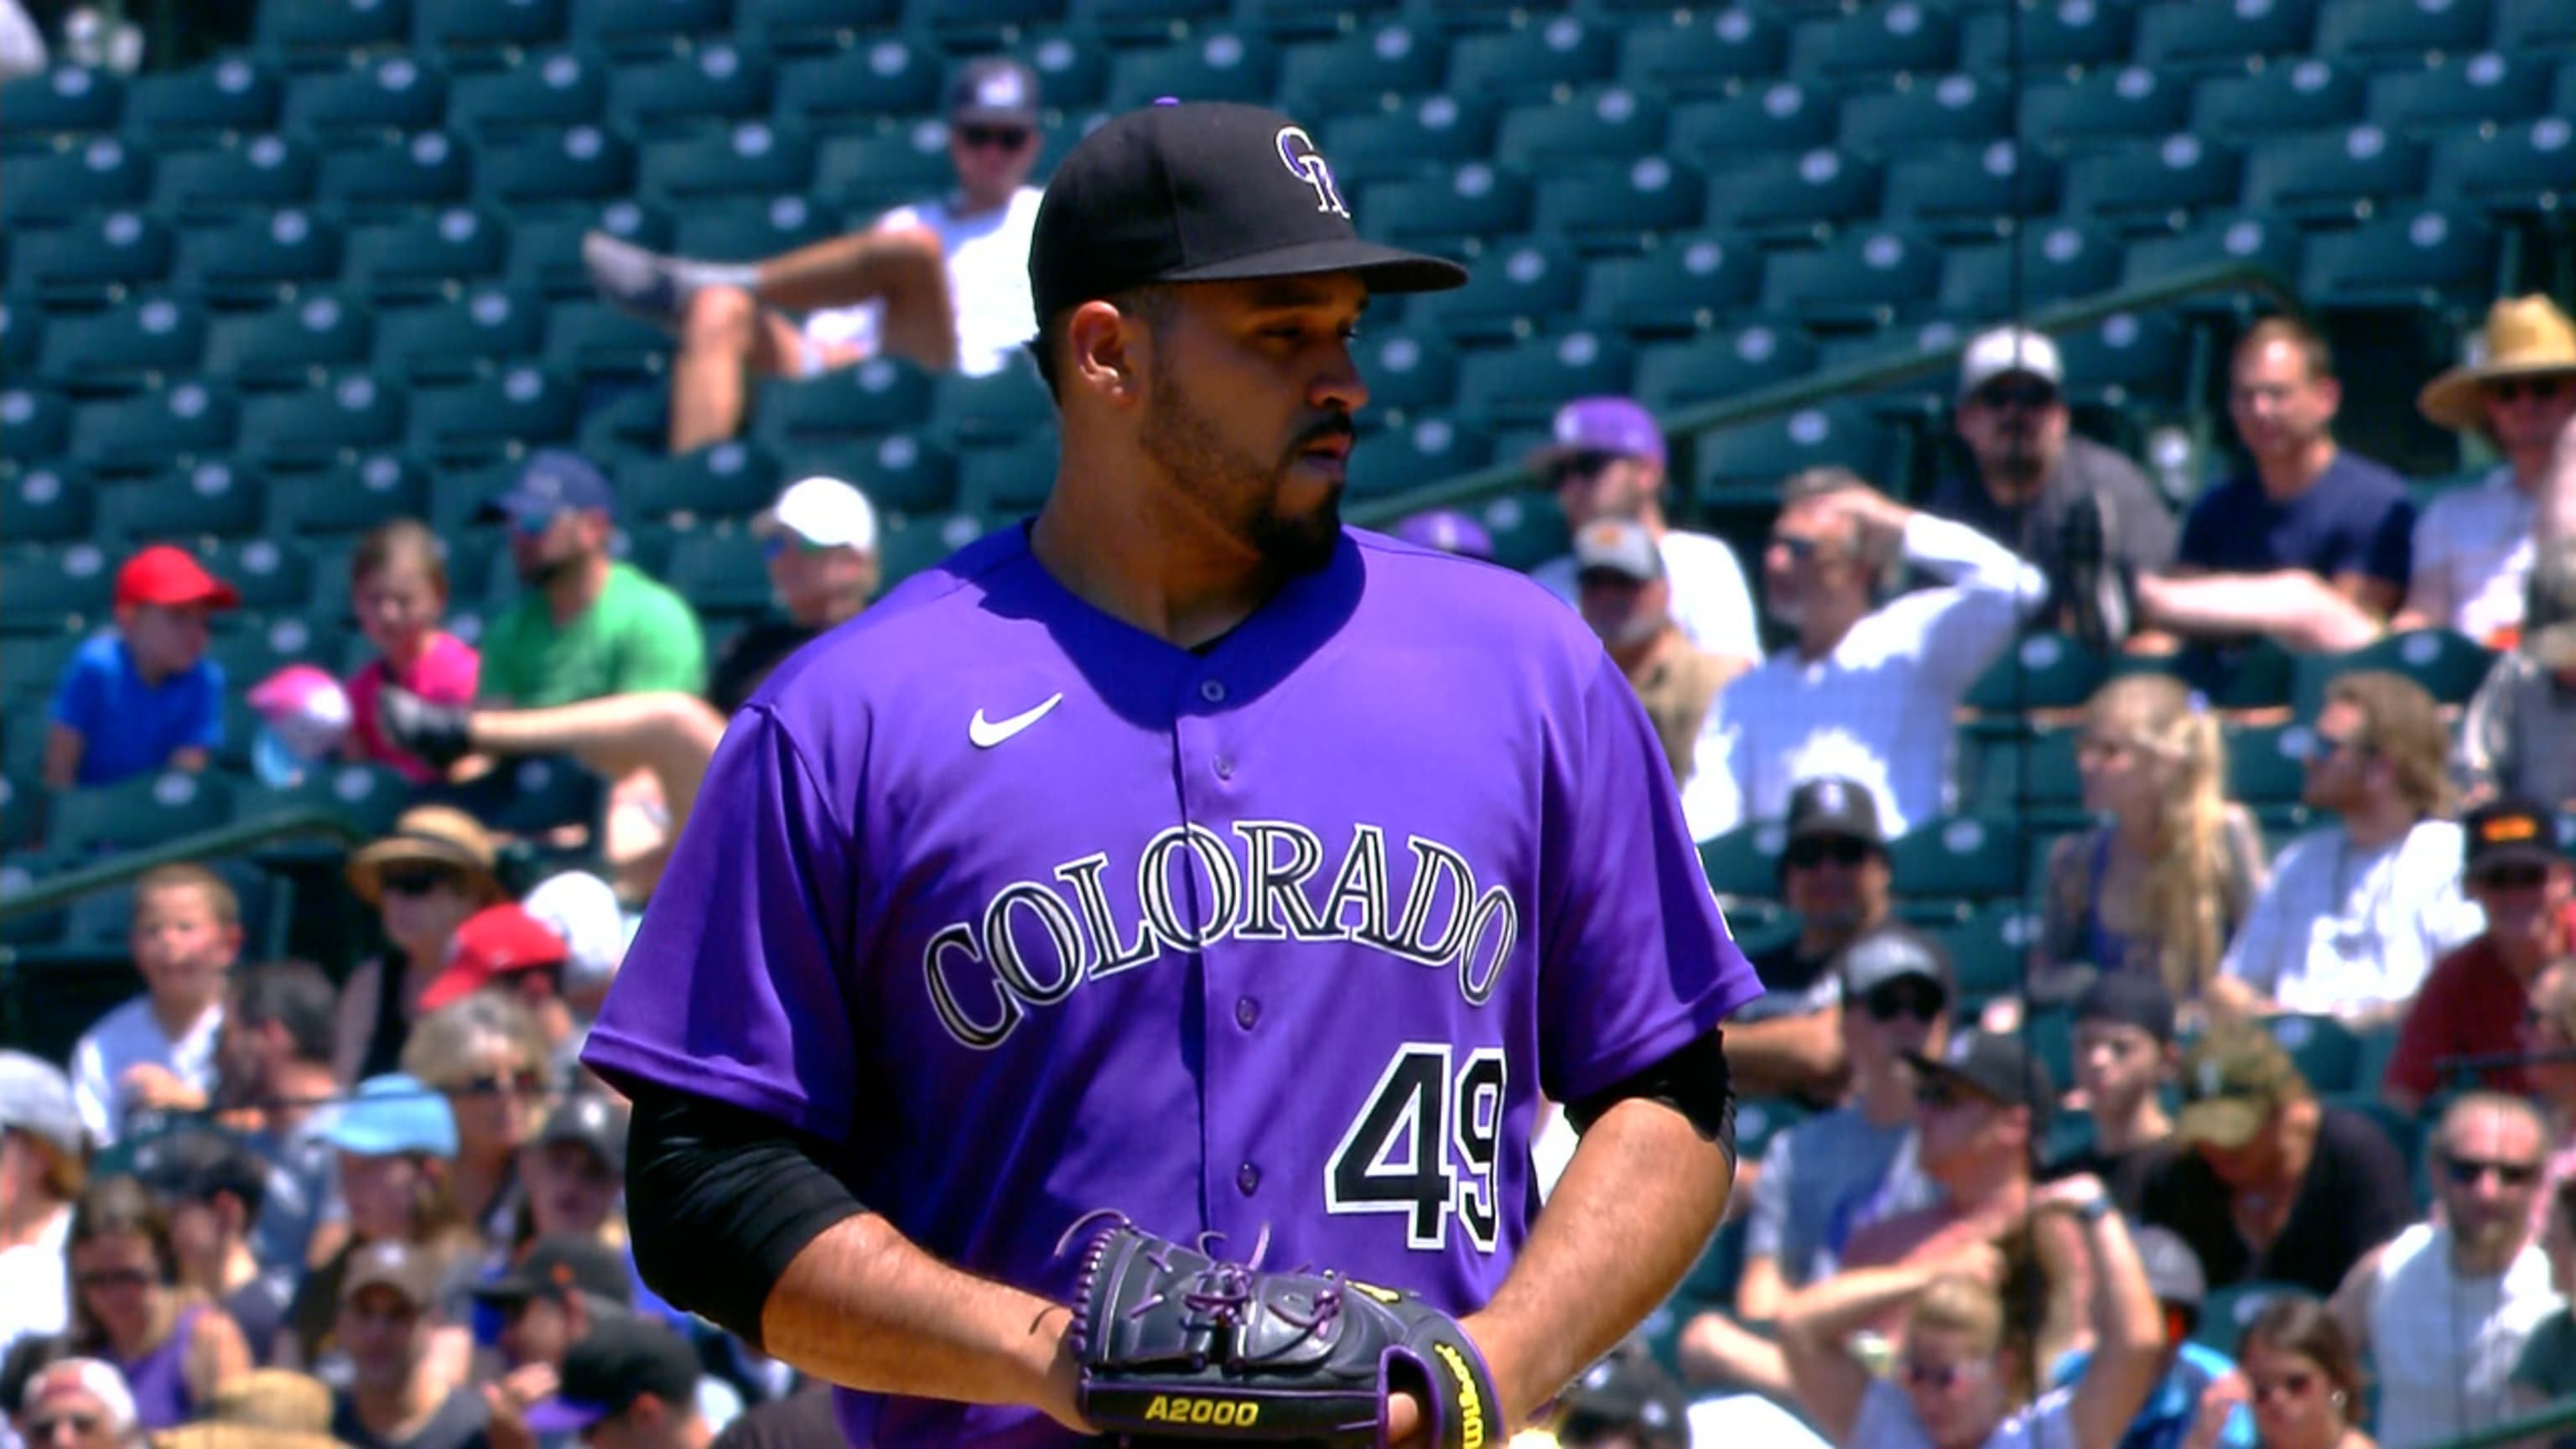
(1036,941)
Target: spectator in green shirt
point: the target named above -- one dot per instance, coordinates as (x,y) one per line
(589,626)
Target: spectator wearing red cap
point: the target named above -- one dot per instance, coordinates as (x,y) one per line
(503,948)
(145,697)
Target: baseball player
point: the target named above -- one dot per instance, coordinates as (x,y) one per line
(1185,854)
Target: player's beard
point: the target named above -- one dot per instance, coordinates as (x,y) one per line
(1240,489)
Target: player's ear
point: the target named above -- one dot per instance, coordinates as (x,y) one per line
(1103,347)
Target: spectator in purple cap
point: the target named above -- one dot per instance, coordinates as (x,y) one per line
(588,626)
(1449,531)
(943,282)
(1605,459)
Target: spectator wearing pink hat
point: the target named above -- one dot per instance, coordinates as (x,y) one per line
(145,697)
(398,590)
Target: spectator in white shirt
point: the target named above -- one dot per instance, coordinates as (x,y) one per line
(1605,459)
(2444,1309)
(157,1051)
(1627,599)
(2357,912)
(2513,740)
(943,283)
(2474,546)
(1868,690)
(40,1175)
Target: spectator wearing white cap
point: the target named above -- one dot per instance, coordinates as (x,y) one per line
(2030,464)
(41,1172)
(78,1403)
(821,541)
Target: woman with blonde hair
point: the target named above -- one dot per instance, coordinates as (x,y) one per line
(489,1056)
(2161,885)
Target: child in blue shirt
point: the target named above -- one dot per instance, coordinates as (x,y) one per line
(145,697)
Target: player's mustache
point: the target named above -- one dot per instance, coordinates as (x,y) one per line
(1337,427)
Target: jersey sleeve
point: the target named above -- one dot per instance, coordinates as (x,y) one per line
(734,988)
(1634,959)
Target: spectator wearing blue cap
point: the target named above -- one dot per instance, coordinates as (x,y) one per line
(1605,459)
(396,1140)
(589,626)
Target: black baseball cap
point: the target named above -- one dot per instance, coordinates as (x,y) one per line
(2509,831)
(594,1122)
(2129,998)
(1892,952)
(1832,806)
(994,90)
(559,1264)
(619,1361)
(1203,191)
(1998,1066)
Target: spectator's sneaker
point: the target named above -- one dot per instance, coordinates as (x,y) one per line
(440,734)
(646,284)
(2104,598)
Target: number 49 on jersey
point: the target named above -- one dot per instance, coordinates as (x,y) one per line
(1395,1158)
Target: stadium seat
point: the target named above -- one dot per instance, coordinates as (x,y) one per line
(48,590)
(2149,181)
(2025,774)
(893,75)
(195,105)
(2449,666)
(291,344)
(1358,71)
(22,335)
(974,412)
(1445,212)
(1866,277)
(1427,137)
(273,575)
(1219,63)
(522,409)
(2533,25)
(2253,240)
(2187,33)
(1392,460)
(1963,857)
(1725,364)
(2066,35)
(1890,121)
(65,98)
(2525,167)
(1009,480)
(1681,287)
(2460,91)
(2128,103)
(2408,256)
(2311,95)
(1703,50)
(1605,123)
(804,27)
(591,341)
(648,27)
(729,480)
(638,420)
(92,261)
(349,414)
(1136,22)
(1884,40)
(50,188)
(251,647)
(2267,764)
(346,499)
(1745,862)
(186,420)
(719,82)
(904,474)
(876,170)
(1524,385)
(251,176)
(2057,263)
(1514,287)
(2325,1050)
(552,91)
(723,162)
(257,259)
(474,30)
(2128,357)
(2397,32)
(2336,173)
(1619,206)
(1963,193)
(721,573)
(1527,528)
(754,229)
(369,797)
(2040,672)
(1990,949)
(582,163)
(452,341)
(138,813)
(424,256)
(424,169)
(1748,461)
(34,423)
(1783,119)
(878,396)
(529,798)
(1792,195)
(321,34)
(1409,370)
(906,546)
(48,503)
(395,93)
(135,345)
(1527,62)
(1071,62)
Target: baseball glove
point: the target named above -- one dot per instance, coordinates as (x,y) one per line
(1174,1342)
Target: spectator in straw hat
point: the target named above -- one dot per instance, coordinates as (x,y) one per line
(2474,546)
(425,879)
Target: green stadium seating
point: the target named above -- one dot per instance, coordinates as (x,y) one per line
(754,230)
(2113,104)
(1752,458)
(186,420)
(1700,51)
(258,259)
(1071,62)
(2332,174)
(93,260)
(1795,195)
(2267,764)
(1990,949)
(723,161)
(581,163)
(369,796)
(22,335)
(425,256)
(1217,63)
(1528,61)
(233,93)
(1961,192)
(2522,168)
(1523,385)
(483,30)
(1002,408)
(1723,364)
(1444,212)
(891,75)
(2312,95)
(2182,33)
(2058,262)
(2373,32)
(2148,181)
(593,341)
(2255,240)
(638,420)
(453,341)
(395,93)
(50,188)
(1613,123)
(64,98)
(523,408)
(2522,25)
(679,94)
(210,499)
(1430,137)
(903,474)
(647,27)
(426,168)
(875,170)
(1782,119)
(291,344)
(47,503)
(50,590)
(1611,206)
(2046,38)
(322,33)
(545,249)
(1513,287)
(349,414)
(2326,1051)
(1884,40)
(1684,285)
(1864,277)
(1745,861)
(726,481)
(248,177)
(1392,460)
(805,26)
(1890,121)
(272,574)
(549,92)
(135,345)
(2026,774)
(1007,480)
(2449,666)
(1964,857)
(1137,22)
(1356,71)
(721,572)
(33,424)
(1408,372)
(346,499)
(2460,91)
(137,813)
(909,545)
(878,396)
(2407,256)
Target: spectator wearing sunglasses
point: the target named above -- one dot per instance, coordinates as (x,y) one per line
(587,625)
(2030,465)
(2444,1309)
(2125,1052)
(130,1308)
(425,879)
(2473,1001)
(2311,545)
(77,1403)
(1605,459)
(1834,876)
(2512,741)
(942,283)
(2173,1416)
(2269,1185)
(2474,546)
(487,1054)
(2301,1376)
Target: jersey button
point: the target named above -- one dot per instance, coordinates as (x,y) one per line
(1247,1178)
(1225,767)
(1212,690)
(1246,1012)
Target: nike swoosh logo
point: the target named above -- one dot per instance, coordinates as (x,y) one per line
(987,733)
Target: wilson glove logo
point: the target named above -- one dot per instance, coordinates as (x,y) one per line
(1471,1404)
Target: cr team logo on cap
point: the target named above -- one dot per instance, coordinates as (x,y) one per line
(1297,152)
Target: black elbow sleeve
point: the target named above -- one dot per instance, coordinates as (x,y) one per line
(720,1200)
(1693,1080)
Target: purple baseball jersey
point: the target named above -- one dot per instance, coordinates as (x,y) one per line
(1032,913)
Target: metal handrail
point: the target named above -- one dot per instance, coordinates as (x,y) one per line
(1512,474)
(59,890)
